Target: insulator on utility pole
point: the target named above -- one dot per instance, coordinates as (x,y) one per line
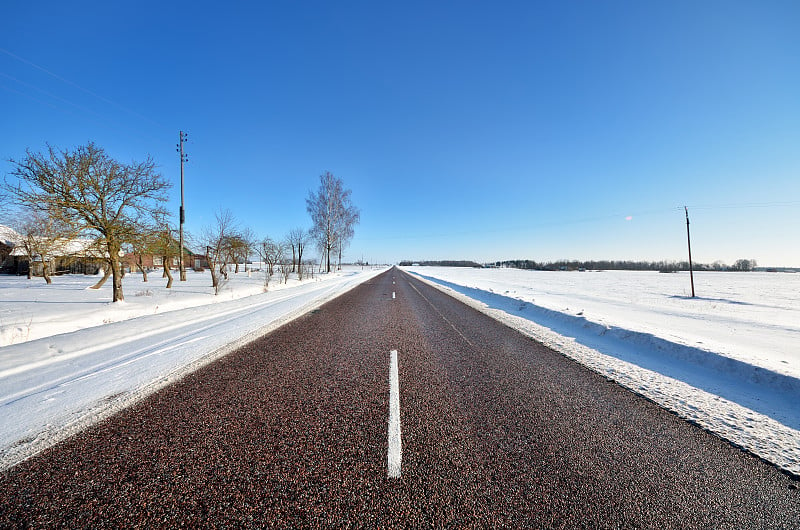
(182,137)
(689,240)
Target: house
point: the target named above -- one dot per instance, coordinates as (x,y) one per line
(198,261)
(9,239)
(152,261)
(80,255)
(70,256)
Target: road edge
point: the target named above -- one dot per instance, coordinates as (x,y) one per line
(764,446)
(27,449)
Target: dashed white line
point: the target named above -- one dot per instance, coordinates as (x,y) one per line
(395,454)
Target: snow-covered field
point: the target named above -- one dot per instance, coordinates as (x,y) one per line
(59,371)
(728,359)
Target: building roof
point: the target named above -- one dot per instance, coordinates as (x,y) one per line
(78,247)
(9,236)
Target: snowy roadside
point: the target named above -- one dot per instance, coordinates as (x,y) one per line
(750,406)
(56,385)
(31,310)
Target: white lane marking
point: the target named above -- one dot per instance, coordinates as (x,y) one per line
(395,456)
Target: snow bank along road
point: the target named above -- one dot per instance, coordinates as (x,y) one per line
(754,406)
(395,405)
(57,385)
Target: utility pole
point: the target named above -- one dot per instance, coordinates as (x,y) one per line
(182,137)
(689,240)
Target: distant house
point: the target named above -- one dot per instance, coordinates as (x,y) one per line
(152,261)
(73,256)
(9,239)
(80,255)
(198,261)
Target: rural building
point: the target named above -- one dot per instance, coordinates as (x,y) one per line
(153,261)
(77,256)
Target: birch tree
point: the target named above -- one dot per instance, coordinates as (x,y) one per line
(332,214)
(345,229)
(90,191)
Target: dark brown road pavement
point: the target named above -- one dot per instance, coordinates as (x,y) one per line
(497,431)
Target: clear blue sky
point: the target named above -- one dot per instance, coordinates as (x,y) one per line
(466,130)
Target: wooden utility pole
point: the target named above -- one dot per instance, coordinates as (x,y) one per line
(689,240)
(182,136)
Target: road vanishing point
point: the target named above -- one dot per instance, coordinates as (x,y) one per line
(396,406)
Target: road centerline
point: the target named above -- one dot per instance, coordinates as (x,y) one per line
(395,452)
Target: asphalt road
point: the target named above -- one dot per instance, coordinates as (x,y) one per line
(495,430)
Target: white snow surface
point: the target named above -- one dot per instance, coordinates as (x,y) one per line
(727,360)
(69,357)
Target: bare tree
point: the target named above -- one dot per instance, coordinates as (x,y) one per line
(332,212)
(273,254)
(90,191)
(297,239)
(106,275)
(167,247)
(143,242)
(215,239)
(248,240)
(345,229)
(238,248)
(285,264)
(45,238)
(304,269)
(264,254)
(270,253)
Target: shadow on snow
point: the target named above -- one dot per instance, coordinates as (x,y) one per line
(758,389)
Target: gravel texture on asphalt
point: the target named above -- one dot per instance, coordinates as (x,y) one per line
(497,431)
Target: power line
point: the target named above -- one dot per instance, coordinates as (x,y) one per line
(70,112)
(743,205)
(567,222)
(48,94)
(79,87)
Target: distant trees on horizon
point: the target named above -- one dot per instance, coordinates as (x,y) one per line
(442,263)
(744,265)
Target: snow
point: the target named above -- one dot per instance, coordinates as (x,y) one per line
(59,373)
(9,236)
(727,360)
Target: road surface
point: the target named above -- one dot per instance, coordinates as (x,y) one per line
(396,406)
